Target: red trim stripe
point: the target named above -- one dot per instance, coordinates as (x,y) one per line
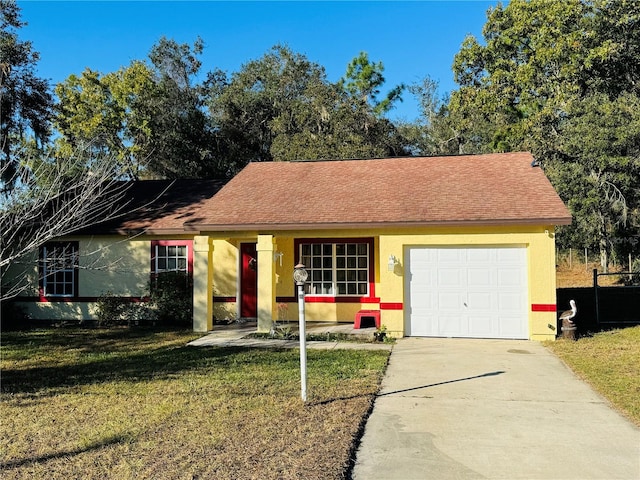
(329,299)
(370,300)
(51,299)
(224,299)
(543,307)
(391,306)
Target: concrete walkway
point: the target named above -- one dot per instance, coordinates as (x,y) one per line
(235,335)
(497,409)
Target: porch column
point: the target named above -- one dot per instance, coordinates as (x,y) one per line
(202,284)
(266,282)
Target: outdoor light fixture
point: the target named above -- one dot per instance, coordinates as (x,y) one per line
(393,261)
(278,256)
(300,276)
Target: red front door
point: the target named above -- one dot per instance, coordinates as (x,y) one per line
(248,280)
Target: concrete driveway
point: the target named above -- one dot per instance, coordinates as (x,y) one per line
(498,409)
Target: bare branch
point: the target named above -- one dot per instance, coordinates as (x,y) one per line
(50,198)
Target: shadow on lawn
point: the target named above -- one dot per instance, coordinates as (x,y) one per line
(67,453)
(112,366)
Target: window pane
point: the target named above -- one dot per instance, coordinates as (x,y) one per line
(362,262)
(327,275)
(362,288)
(172,251)
(362,248)
(162,251)
(340,249)
(341,262)
(351,289)
(182,264)
(351,262)
(162,263)
(316,262)
(351,275)
(306,249)
(182,250)
(362,275)
(351,249)
(327,262)
(342,289)
(341,275)
(327,288)
(171,264)
(316,249)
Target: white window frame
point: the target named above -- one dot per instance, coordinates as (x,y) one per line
(54,265)
(167,257)
(334,271)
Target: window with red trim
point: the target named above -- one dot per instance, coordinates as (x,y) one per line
(172,256)
(337,268)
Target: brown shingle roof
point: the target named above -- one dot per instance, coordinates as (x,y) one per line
(472,189)
(156,206)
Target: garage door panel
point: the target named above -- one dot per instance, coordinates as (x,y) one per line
(448,325)
(479,277)
(448,301)
(510,302)
(449,277)
(481,302)
(510,278)
(481,326)
(467,292)
(478,255)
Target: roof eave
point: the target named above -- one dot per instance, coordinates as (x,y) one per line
(203,227)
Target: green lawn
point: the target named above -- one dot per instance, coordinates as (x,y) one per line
(140,404)
(610,362)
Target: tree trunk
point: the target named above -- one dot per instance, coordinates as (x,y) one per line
(604,245)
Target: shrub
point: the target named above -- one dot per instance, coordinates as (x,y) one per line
(110,310)
(172,298)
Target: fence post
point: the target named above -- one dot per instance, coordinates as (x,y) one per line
(586,259)
(595,294)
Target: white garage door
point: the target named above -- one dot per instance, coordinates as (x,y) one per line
(477,292)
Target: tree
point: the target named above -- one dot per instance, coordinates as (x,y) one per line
(363,80)
(25,100)
(150,118)
(52,198)
(182,140)
(543,82)
(282,107)
(104,111)
(434,132)
(261,93)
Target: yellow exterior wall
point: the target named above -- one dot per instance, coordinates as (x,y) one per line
(540,245)
(539,242)
(107,264)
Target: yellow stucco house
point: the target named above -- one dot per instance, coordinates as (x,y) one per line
(459,246)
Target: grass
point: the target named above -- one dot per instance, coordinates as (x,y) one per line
(140,404)
(581,275)
(610,362)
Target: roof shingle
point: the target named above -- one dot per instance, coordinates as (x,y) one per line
(478,189)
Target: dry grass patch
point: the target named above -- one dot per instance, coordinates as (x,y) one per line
(140,404)
(610,362)
(581,275)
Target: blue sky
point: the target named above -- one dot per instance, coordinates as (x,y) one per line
(412,39)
